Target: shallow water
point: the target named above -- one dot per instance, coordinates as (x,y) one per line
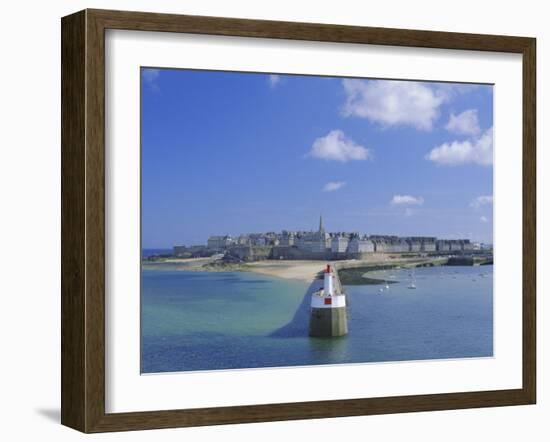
(208,321)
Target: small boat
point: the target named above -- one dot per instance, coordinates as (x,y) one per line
(411,286)
(387,287)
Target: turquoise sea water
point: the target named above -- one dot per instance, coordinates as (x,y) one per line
(146,253)
(209,321)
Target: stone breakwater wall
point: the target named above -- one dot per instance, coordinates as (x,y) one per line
(247,253)
(258,253)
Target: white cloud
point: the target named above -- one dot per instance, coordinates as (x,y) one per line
(393,103)
(481,201)
(483,219)
(407,200)
(337,147)
(476,151)
(273,80)
(149,76)
(465,123)
(331,186)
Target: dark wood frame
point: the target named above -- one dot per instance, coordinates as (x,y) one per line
(83,218)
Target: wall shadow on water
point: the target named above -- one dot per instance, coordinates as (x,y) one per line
(298,327)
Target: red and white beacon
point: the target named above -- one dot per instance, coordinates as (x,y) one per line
(328,307)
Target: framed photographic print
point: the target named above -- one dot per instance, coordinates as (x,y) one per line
(269,220)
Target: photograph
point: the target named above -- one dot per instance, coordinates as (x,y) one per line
(301,220)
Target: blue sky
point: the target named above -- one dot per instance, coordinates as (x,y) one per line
(230,153)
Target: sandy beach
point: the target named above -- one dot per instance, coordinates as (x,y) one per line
(295,269)
(301,270)
(291,269)
(307,270)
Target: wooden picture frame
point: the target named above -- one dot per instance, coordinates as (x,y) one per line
(83,220)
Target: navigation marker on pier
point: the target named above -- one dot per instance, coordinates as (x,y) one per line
(328,308)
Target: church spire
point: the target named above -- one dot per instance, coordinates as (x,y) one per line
(321,228)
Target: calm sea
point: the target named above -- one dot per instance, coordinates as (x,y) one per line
(146,253)
(208,321)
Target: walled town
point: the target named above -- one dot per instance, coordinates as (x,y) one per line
(321,245)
